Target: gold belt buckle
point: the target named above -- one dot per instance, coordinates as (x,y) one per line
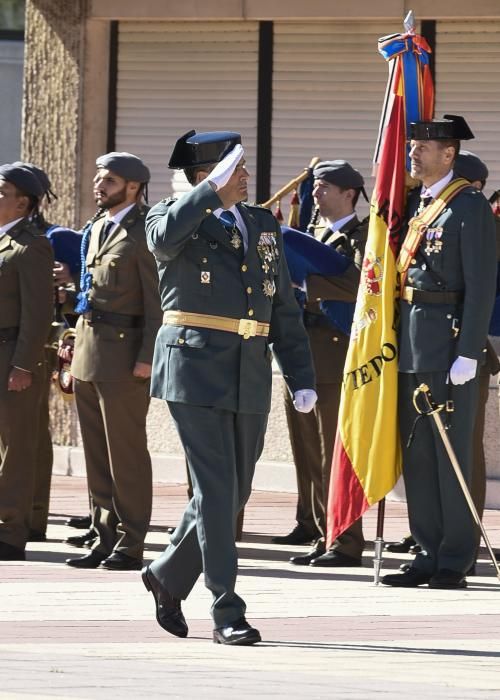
(247,328)
(409,294)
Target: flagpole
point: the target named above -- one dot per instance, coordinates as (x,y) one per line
(379,542)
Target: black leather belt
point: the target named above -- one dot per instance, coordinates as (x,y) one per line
(8,333)
(316,320)
(113,319)
(421,296)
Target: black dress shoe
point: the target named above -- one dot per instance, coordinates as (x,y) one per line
(168,609)
(10,553)
(87,539)
(409,579)
(448,579)
(401,547)
(238,633)
(82,522)
(89,561)
(36,536)
(299,535)
(314,553)
(335,558)
(405,567)
(118,561)
(415,549)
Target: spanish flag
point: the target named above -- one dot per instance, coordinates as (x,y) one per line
(367,457)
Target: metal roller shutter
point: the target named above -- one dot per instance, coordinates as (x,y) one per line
(329,83)
(176,76)
(467,83)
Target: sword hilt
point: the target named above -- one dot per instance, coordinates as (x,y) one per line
(424,403)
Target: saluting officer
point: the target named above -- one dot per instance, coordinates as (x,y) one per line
(227,299)
(26,298)
(448,275)
(120,315)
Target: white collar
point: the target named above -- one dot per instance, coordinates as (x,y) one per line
(120,215)
(437,187)
(337,225)
(11,224)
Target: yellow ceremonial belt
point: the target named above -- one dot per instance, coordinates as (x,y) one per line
(417,226)
(245,327)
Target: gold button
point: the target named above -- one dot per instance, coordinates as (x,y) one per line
(249,290)
(413,261)
(449,316)
(208,211)
(121,335)
(318,298)
(335,339)
(181,341)
(244,268)
(410,279)
(250,312)
(204,260)
(113,264)
(39,364)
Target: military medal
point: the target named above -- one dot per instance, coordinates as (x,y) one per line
(205,277)
(269,288)
(235,239)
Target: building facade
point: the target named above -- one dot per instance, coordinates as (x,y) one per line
(296,79)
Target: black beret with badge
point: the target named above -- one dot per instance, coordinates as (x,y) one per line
(470,167)
(451,126)
(126,165)
(340,173)
(205,148)
(23,178)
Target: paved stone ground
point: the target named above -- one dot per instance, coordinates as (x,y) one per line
(66,633)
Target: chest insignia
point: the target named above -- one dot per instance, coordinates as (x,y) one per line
(269,288)
(205,277)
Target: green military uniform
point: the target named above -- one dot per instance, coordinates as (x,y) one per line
(112,404)
(218,383)
(26,298)
(312,435)
(455,263)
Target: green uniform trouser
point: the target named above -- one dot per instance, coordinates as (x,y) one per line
(221,448)
(312,437)
(44,454)
(18,439)
(113,425)
(440,519)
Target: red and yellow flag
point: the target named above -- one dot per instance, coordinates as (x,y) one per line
(367,459)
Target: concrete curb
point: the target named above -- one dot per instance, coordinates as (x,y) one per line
(269,476)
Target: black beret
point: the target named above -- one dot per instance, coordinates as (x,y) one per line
(22,178)
(208,147)
(470,166)
(126,165)
(40,174)
(340,173)
(452,126)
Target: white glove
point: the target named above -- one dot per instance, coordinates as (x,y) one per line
(223,170)
(463,370)
(304,400)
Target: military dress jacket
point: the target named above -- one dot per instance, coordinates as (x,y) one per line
(201,272)
(26,293)
(457,254)
(329,345)
(124,281)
